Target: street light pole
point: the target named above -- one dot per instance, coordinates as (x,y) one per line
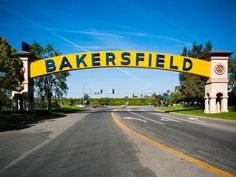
(172,86)
(83,94)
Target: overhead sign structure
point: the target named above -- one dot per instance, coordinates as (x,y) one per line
(132,59)
(213,64)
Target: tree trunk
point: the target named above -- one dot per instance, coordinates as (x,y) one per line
(56,104)
(198,102)
(192,103)
(49,96)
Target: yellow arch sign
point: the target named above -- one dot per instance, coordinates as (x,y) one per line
(132,59)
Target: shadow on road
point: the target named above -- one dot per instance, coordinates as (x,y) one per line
(20,120)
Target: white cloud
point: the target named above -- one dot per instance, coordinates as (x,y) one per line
(101,36)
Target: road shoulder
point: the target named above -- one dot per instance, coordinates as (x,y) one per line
(18,144)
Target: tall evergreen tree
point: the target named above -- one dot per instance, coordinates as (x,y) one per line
(49,86)
(11,74)
(192,86)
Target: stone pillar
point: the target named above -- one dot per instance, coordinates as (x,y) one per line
(212,108)
(218,80)
(206,110)
(224,104)
(27,94)
(218,106)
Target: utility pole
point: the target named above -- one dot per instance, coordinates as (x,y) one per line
(172,86)
(83,95)
(90,97)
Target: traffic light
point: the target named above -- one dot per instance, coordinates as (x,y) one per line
(101,91)
(113,91)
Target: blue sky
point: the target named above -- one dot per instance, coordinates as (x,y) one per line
(150,25)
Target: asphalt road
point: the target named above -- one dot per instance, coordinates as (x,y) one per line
(95,146)
(210,140)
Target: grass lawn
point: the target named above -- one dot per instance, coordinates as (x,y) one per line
(19,120)
(67,109)
(197,111)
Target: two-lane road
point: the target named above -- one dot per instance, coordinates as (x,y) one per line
(96,146)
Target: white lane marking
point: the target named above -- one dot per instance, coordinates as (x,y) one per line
(193,118)
(189,119)
(147,118)
(132,118)
(168,119)
(197,119)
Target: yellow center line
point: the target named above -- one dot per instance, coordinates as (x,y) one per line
(172,151)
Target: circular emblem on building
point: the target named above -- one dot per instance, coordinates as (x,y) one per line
(219,69)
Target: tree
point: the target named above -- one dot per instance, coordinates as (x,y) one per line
(156,99)
(232,73)
(104,101)
(71,101)
(232,81)
(87,99)
(192,86)
(11,73)
(53,85)
(176,97)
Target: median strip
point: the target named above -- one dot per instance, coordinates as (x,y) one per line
(172,151)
